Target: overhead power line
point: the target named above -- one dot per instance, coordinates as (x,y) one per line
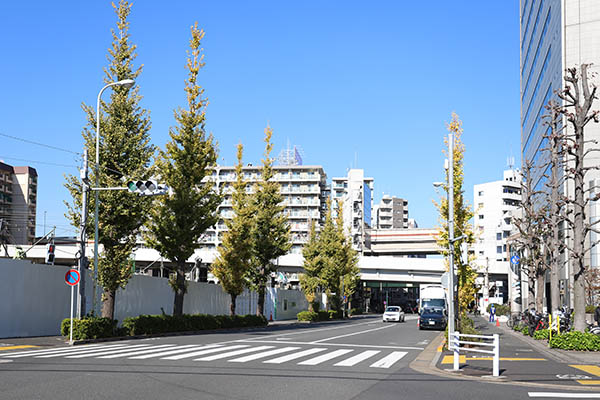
(39,162)
(40,144)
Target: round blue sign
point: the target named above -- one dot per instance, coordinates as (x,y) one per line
(72,277)
(515,259)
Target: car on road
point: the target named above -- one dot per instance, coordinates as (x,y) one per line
(432,318)
(393,313)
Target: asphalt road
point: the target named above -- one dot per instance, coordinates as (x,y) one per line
(356,359)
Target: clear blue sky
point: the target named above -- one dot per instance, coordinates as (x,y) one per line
(370,84)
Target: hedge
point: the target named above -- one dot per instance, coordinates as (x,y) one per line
(318,316)
(96,327)
(576,341)
(501,309)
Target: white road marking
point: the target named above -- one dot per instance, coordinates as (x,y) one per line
(180,349)
(335,344)
(325,357)
(233,353)
(389,360)
(264,354)
(202,352)
(357,358)
(45,351)
(289,357)
(565,394)
(143,351)
(310,331)
(113,351)
(350,334)
(78,351)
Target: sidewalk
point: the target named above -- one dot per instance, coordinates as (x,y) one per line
(525,360)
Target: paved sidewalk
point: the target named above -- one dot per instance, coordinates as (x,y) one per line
(525,360)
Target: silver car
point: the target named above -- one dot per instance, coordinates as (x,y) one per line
(393,313)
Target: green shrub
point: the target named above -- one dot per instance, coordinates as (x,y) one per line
(501,309)
(308,316)
(542,334)
(335,314)
(356,311)
(590,309)
(576,341)
(323,315)
(316,305)
(89,328)
(467,326)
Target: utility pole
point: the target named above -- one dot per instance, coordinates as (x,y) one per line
(451,303)
(82,261)
(486,285)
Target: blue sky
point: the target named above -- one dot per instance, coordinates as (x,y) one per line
(353,83)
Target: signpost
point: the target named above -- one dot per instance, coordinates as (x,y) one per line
(515,259)
(72,278)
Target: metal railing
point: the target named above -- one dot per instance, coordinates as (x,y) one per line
(495,344)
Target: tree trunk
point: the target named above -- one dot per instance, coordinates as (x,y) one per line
(554,222)
(232,305)
(108,304)
(179,289)
(539,293)
(579,235)
(260,307)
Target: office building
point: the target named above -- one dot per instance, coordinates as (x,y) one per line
(18,199)
(355,192)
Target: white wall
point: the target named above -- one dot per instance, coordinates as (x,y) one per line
(34,299)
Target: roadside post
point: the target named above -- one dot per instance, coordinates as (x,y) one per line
(72,278)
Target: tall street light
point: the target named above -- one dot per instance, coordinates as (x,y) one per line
(127,83)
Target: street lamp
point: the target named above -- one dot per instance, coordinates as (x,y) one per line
(127,83)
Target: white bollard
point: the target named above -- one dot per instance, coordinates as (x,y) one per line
(496,366)
(456,345)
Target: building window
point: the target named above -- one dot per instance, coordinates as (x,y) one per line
(499,236)
(480,193)
(499,249)
(480,216)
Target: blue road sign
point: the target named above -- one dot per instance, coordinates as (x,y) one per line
(515,259)
(72,277)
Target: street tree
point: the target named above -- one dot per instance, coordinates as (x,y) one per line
(314,262)
(578,98)
(270,233)
(125,152)
(465,273)
(179,219)
(235,252)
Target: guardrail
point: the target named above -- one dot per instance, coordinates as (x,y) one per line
(495,344)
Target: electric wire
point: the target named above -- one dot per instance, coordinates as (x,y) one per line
(40,144)
(39,162)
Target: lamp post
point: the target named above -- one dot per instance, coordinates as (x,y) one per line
(127,83)
(451,239)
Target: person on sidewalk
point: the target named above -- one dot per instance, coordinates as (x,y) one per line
(492,313)
(597,315)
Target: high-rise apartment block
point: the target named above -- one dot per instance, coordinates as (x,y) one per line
(391,213)
(304,190)
(18,199)
(355,192)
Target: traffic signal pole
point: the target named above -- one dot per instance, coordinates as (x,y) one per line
(82,261)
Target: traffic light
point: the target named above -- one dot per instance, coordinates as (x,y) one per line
(50,247)
(147,188)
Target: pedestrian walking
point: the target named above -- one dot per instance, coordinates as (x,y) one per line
(492,313)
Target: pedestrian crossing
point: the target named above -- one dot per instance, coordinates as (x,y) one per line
(232,352)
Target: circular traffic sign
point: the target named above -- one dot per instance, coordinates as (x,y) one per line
(72,277)
(515,259)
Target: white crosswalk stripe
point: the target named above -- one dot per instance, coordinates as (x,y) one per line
(202,352)
(233,353)
(179,349)
(389,360)
(153,349)
(264,354)
(325,357)
(111,351)
(290,357)
(349,362)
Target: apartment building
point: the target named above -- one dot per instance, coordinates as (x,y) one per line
(304,190)
(18,200)
(355,191)
(391,213)
(494,206)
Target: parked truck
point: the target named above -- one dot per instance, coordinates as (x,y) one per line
(432,296)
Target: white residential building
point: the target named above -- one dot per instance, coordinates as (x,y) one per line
(356,193)
(494,204)
(391,213)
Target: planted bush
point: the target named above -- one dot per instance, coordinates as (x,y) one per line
(89,328)
(308,316)
(576,341)
(356,311)
(501,309)
(542,334)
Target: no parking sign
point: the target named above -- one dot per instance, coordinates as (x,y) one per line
(72,277)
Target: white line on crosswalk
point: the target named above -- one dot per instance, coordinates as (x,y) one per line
(289,357)
(153,349)
(180,349)
(357,358)
(264,354)
(389,360)
(113,351)
(45,351)
(202,352)
(370,346)
(233,353)
(565,394)
(325,357)
(352,334)
(80,351)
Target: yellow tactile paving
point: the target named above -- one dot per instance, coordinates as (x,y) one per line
(463,359)
(590,369)
(16,347)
